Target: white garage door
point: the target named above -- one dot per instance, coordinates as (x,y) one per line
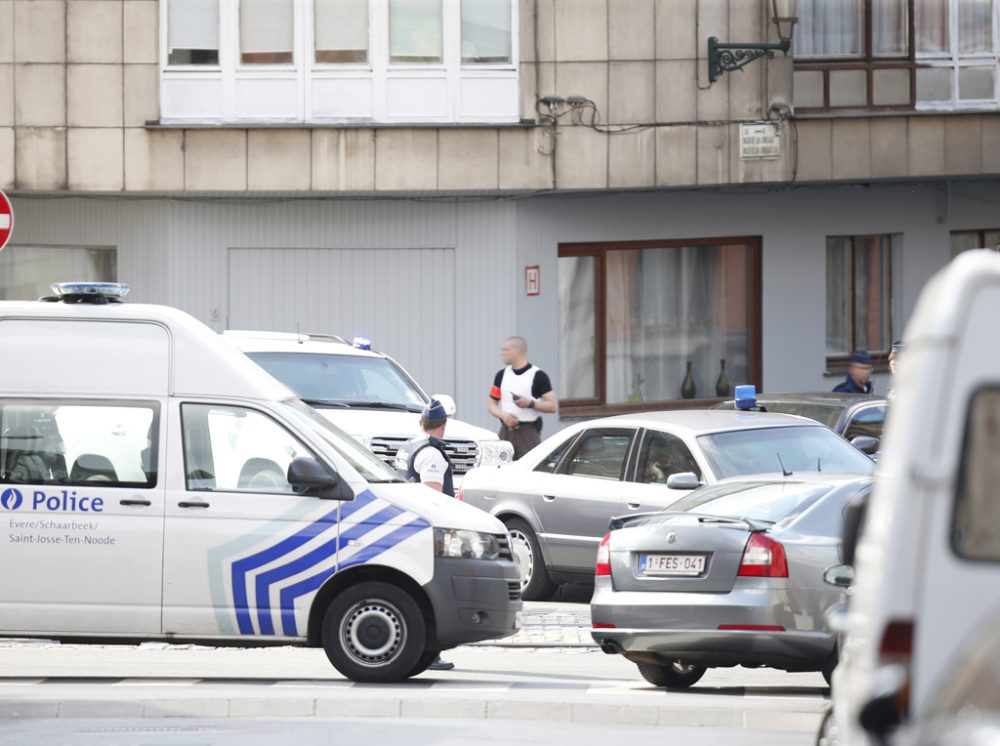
(402,299)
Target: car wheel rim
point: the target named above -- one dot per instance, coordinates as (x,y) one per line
(373,633)
(521,547)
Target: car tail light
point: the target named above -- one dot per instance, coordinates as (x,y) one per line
(896,649)
(763,557)
(603,567)
(460,495)
(601,625)
(751,628)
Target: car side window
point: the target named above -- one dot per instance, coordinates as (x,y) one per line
(549,463)
(664,454)
(869,422)
(105,444)
(599,454)
(977,511)
(234,449)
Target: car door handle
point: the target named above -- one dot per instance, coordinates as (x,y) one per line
(634,505)
(135,501)
(192,504)
(549,498)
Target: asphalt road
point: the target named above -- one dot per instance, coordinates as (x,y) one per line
(549,685)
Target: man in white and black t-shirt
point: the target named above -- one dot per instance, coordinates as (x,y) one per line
(520,393)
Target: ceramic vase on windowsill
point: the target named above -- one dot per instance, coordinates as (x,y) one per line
(722,386)
(688,389)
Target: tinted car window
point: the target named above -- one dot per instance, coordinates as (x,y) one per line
(664,454)
(549,464)
(775,449)
(868,421)
(977,509)
(772,501)
(600,454)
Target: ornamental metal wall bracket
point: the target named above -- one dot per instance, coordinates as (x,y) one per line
(729,57)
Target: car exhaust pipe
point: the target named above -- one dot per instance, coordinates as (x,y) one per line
(611,647)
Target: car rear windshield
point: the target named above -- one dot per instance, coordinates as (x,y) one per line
(760,501)
(738,453)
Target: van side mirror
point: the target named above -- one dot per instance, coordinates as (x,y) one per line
(866,444)
(450,408)
(854,522)
(683,480)
(839,575)
(310,477)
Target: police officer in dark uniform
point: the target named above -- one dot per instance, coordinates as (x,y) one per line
(859,375)
(425,460)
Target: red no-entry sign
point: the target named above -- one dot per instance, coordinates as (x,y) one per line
(6,220)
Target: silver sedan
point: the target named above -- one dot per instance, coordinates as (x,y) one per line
(736,573)
(557,499)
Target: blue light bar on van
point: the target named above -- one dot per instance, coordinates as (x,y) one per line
(106,289)
(746,397)
(362,343)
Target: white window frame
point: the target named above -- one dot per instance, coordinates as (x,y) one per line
(234,93)
(954,61)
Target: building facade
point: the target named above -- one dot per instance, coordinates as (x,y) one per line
(567,170)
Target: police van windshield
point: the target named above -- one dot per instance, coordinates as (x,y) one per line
(354,381)
(366,464)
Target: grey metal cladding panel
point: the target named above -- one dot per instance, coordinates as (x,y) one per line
(400,298)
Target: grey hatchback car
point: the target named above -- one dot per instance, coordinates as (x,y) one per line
(733,574)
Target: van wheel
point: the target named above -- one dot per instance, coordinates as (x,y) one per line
(374,632)
(426,659)
(536,585)
(674,675)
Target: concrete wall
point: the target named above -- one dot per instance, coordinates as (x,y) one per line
(79,81)
(175,252)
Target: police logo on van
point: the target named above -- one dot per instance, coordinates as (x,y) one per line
(11,499)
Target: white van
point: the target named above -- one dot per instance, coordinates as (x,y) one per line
(366,394)
(157,485)
(928,562)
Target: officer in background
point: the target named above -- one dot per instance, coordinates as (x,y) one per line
(520,393)
(425,460)
(859,375)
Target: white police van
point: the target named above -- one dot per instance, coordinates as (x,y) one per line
(156,484)
(367,394)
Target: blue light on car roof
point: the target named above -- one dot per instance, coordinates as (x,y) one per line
(107,289)
(362,343)
(746,396)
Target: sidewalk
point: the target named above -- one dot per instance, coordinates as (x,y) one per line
(551,624)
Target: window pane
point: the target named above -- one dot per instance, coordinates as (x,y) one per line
(341,30)
(976,83)
(674,311)
(266,35)
(577,327)
(415,31)
(838,295)
(871,293)
(991,240)
(829,28)
(934,84)
(931,26)
(964,241)
(664,454)
(485,31)
(977,511)
(975,26)
(890,28)
(193,32)
(27,272)
(77,444)
(600,455)
(232,449)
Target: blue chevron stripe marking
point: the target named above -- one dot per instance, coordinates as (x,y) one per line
(240,568)
(314,557)
(310,584)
